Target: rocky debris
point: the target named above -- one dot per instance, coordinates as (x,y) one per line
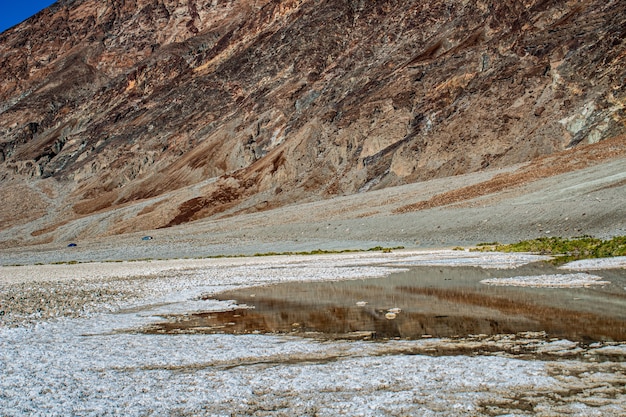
(25,303)
(285,101)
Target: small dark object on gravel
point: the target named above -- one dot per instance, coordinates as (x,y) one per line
(146,238)
(72,245)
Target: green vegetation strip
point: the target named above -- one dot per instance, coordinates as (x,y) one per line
(329,252)
(583,247)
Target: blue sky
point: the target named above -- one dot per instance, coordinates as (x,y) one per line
(13,12)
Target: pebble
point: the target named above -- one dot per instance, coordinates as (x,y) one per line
(24,303)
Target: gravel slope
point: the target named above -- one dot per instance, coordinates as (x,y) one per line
(585,201)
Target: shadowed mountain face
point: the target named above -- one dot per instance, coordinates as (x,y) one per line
(190,109)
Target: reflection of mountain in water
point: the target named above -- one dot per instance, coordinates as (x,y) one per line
(439,302)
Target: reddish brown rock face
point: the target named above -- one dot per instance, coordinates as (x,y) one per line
(104,104)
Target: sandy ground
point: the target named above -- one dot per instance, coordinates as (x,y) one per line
(72,345)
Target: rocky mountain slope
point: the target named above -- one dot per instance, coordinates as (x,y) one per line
(180,110)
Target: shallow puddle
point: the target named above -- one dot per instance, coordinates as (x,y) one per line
(423,302)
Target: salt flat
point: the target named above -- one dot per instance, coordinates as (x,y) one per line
(87,356)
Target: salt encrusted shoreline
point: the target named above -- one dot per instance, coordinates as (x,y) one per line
(32,293)
(88,360)
(591,264)
(578,280)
